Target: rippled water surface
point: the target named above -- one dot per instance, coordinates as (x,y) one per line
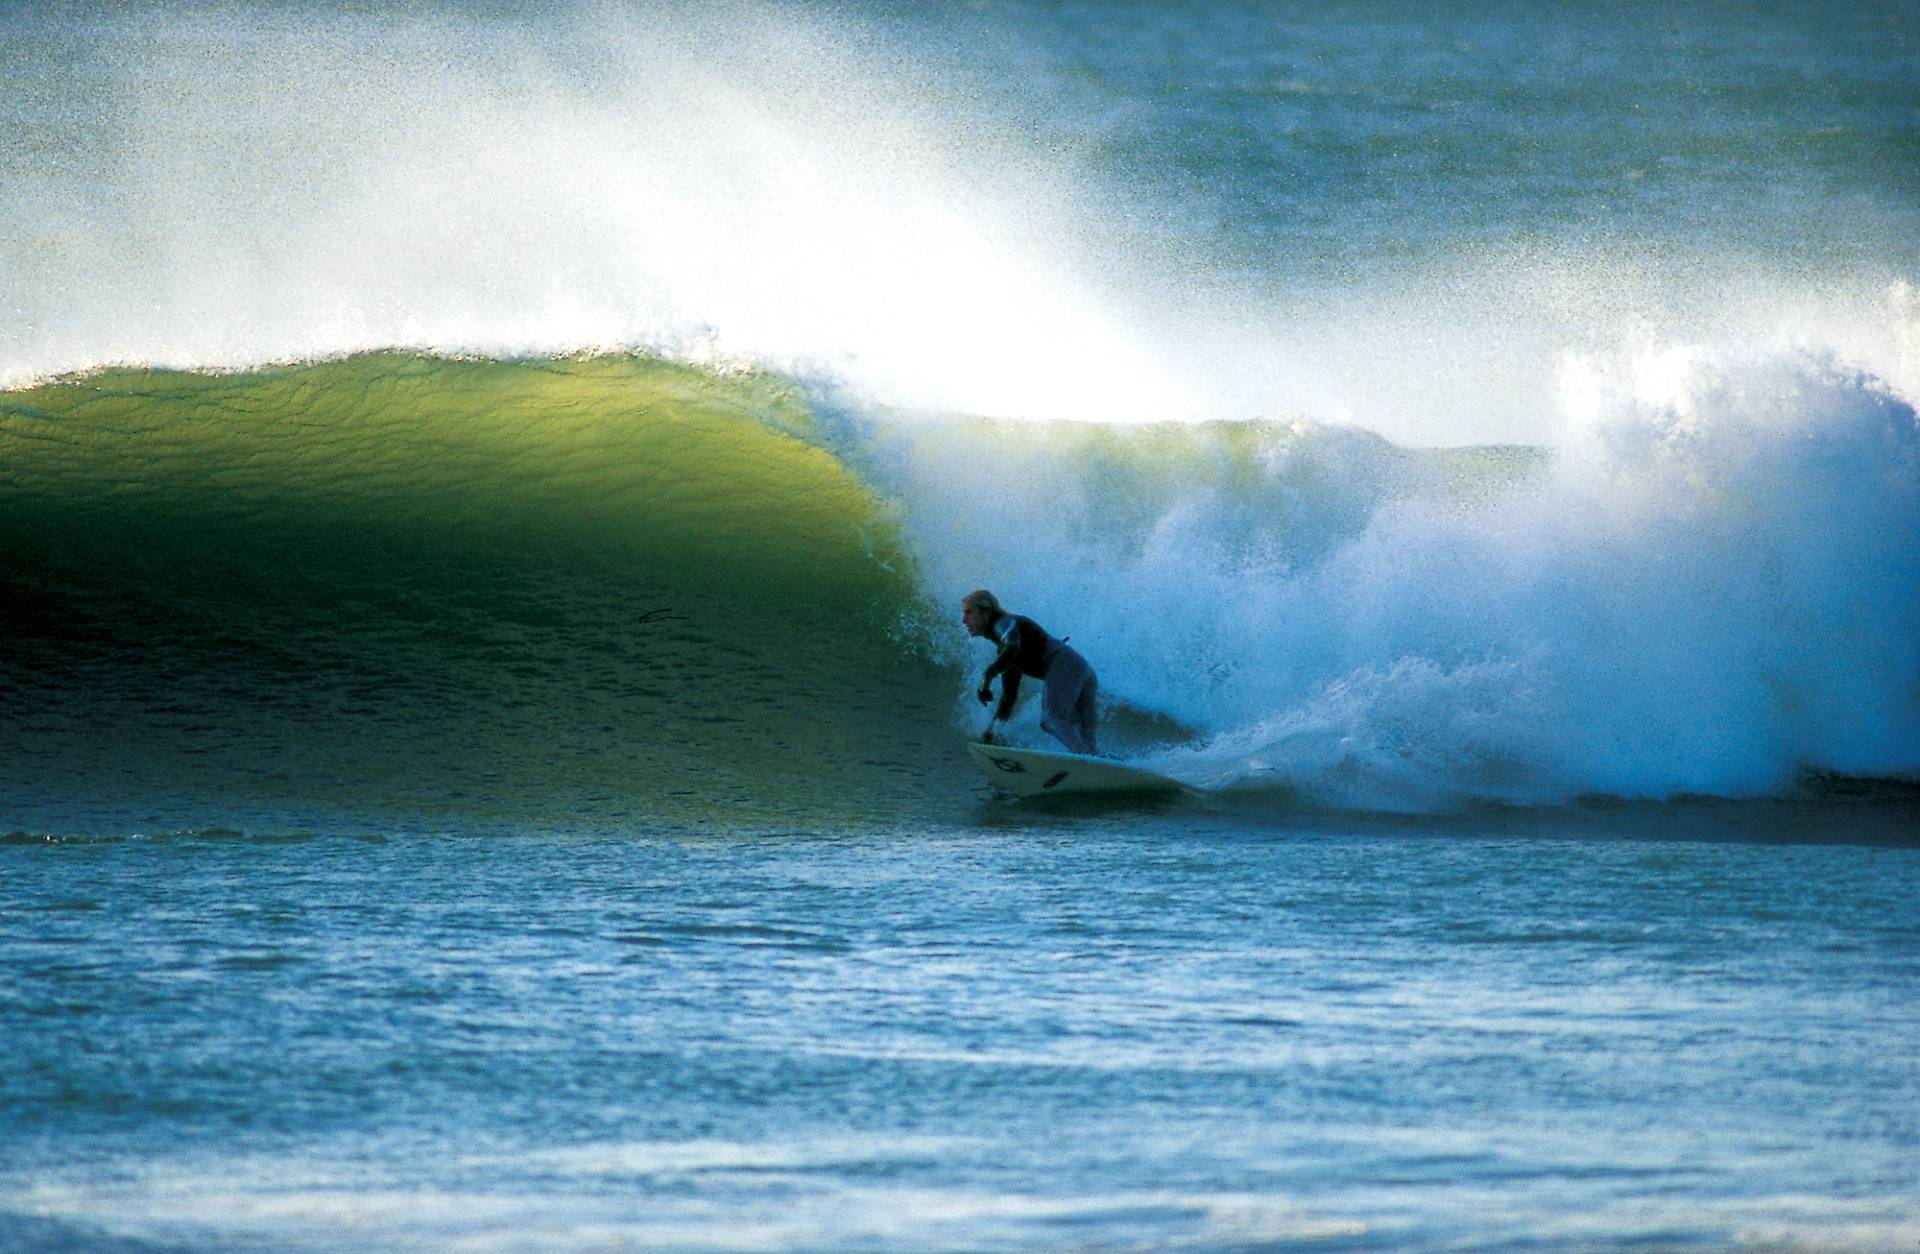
(1091,1030)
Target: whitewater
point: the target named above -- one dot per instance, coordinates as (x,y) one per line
(485,492)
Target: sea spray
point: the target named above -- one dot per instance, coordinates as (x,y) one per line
(989,210)
(723,183)
(1713,587)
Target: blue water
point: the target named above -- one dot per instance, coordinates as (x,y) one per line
(485,492)
(1094,1031)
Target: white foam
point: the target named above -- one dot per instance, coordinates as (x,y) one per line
(1716,586)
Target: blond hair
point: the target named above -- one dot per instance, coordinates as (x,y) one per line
(982,600)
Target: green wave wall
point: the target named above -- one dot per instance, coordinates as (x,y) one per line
(608,586)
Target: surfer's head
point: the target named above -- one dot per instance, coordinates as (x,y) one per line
(978,610)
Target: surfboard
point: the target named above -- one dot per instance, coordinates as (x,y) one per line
(1034,773)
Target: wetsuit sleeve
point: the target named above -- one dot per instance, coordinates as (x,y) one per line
(1009,693)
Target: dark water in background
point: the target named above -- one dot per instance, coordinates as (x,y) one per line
(480,706)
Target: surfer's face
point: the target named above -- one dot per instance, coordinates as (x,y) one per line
(974,617)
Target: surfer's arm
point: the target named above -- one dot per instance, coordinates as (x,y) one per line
(1004,666)
(1009,693)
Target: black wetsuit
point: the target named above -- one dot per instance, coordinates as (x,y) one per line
(1023,651)
(1027,649)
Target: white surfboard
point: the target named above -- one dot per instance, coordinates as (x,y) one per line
(1034,773)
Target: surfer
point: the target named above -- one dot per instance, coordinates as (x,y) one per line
(1067,712)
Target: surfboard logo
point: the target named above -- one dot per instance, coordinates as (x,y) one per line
(1012,767)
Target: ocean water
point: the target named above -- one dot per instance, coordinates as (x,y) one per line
(484,496)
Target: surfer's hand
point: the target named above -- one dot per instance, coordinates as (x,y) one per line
(985,694)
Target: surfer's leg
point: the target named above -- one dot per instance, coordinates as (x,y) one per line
(1068,677)
(1086,716)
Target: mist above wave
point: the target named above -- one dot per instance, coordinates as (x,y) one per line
(719,182)
(1007,214)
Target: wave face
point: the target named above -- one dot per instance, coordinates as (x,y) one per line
(401,584)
